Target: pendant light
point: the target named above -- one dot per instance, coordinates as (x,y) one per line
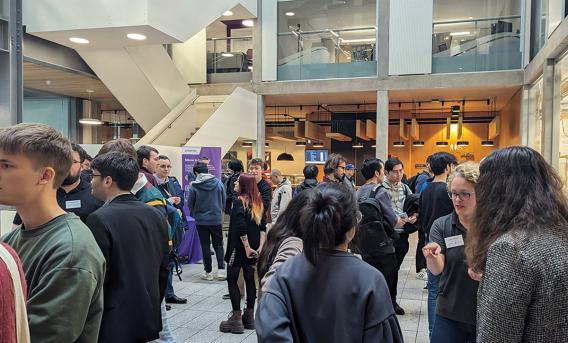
(246,144)
(318,145)
(443,143)
(464,142)
(488,142)
(301,143)
(418,142)
(285,156)
(357,144)
(89,120)
(400,143)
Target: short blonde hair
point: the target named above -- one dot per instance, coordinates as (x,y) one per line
(468,170)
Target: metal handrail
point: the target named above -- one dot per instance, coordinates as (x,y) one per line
(230,38)
(328,31)
(475,20)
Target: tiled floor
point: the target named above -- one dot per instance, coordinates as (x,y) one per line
(198,320)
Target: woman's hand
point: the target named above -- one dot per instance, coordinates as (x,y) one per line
(250,252)
(431,250)
(473,275)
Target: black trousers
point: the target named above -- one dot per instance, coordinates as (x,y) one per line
(388,266)
(206,233)
(420,259)
(401,247)
(234,292)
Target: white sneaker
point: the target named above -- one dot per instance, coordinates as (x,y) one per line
(422,275)
(206,276)
(222,274)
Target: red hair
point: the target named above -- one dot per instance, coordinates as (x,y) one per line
(250,196)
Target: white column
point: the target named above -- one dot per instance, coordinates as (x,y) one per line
(382,119)
(260,127)
(548,124)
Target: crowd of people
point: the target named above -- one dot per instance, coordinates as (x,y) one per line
(92,253)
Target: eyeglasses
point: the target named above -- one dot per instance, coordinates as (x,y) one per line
(461,195)
(75,161)
(100,175)
(343,167)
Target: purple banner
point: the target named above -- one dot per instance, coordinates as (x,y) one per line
(190,156)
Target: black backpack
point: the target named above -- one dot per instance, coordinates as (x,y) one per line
(375,236)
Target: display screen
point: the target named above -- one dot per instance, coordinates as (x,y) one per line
(316,156)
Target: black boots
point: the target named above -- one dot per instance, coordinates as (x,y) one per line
(248,319)
(237,323)
(234,324)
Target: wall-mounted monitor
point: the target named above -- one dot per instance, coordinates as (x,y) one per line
(316,156)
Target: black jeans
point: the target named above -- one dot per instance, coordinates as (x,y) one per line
(388,265)
(420,259)
(401,247)
(234,292)
(206,232)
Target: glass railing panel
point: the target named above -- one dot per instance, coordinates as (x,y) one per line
(229,55)
(324,54)
(486,44)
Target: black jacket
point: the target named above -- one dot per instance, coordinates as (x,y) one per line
(307,184)
(241,224)
(133,237)
(266,195)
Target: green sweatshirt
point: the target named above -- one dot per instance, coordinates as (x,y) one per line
(64,270)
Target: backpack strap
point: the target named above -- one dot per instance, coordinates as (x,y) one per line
(375,191)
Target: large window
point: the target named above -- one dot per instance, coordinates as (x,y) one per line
(561,96)
(535,116)
(539,8)
(481,35)
(320,39)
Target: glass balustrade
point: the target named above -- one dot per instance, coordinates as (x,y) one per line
(324,54)
(484,44)
(229,59)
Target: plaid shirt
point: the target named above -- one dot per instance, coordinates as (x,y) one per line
(398,195)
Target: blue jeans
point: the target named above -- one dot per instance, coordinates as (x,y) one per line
(432,285)
(166,333)
(451,331)
(170,286)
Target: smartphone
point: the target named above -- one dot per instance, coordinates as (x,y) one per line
(404,216)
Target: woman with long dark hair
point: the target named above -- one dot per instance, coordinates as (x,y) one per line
(283,241)
(518,249)
(326,294)
(245,242)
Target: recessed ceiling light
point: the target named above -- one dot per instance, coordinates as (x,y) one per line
(290,14)
(90,121)
(89,91)
(48,82)
(228,13)
(227,54)
(248,23)
(136,36)
(79,40)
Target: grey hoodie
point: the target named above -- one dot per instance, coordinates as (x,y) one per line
(206,200)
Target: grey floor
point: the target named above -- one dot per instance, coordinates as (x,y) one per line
(198,320)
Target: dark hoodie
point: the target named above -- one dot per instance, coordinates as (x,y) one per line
(307,184)
(206,200)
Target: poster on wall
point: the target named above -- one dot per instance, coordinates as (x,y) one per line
(267,160)
(190,156)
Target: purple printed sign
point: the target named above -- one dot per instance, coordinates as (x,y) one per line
(190,156)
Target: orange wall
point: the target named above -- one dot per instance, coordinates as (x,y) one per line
(511,122)
(410,155)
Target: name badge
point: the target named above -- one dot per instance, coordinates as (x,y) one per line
(71,204)
(454,241)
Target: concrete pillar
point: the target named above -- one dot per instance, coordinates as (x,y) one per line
(382,47)
(525,115)
(257,45)
(382,148)
(548,124)
(260,127)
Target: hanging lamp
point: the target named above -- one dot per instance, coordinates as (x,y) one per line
(418,142)
(488,142)
(285,156)
(89,120)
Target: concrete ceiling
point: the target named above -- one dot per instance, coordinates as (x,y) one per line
(56,81)
(501,96)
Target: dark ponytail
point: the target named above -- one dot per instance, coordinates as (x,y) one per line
(330,213)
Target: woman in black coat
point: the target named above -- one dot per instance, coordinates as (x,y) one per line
(246,238)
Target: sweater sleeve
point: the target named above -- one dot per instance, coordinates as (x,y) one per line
(381,324)
(272,321)
(58,306)
(504,294)
(291,246)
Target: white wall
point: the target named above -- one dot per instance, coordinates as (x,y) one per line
(190,58)
(555,14)
(269,39)
(410,41)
